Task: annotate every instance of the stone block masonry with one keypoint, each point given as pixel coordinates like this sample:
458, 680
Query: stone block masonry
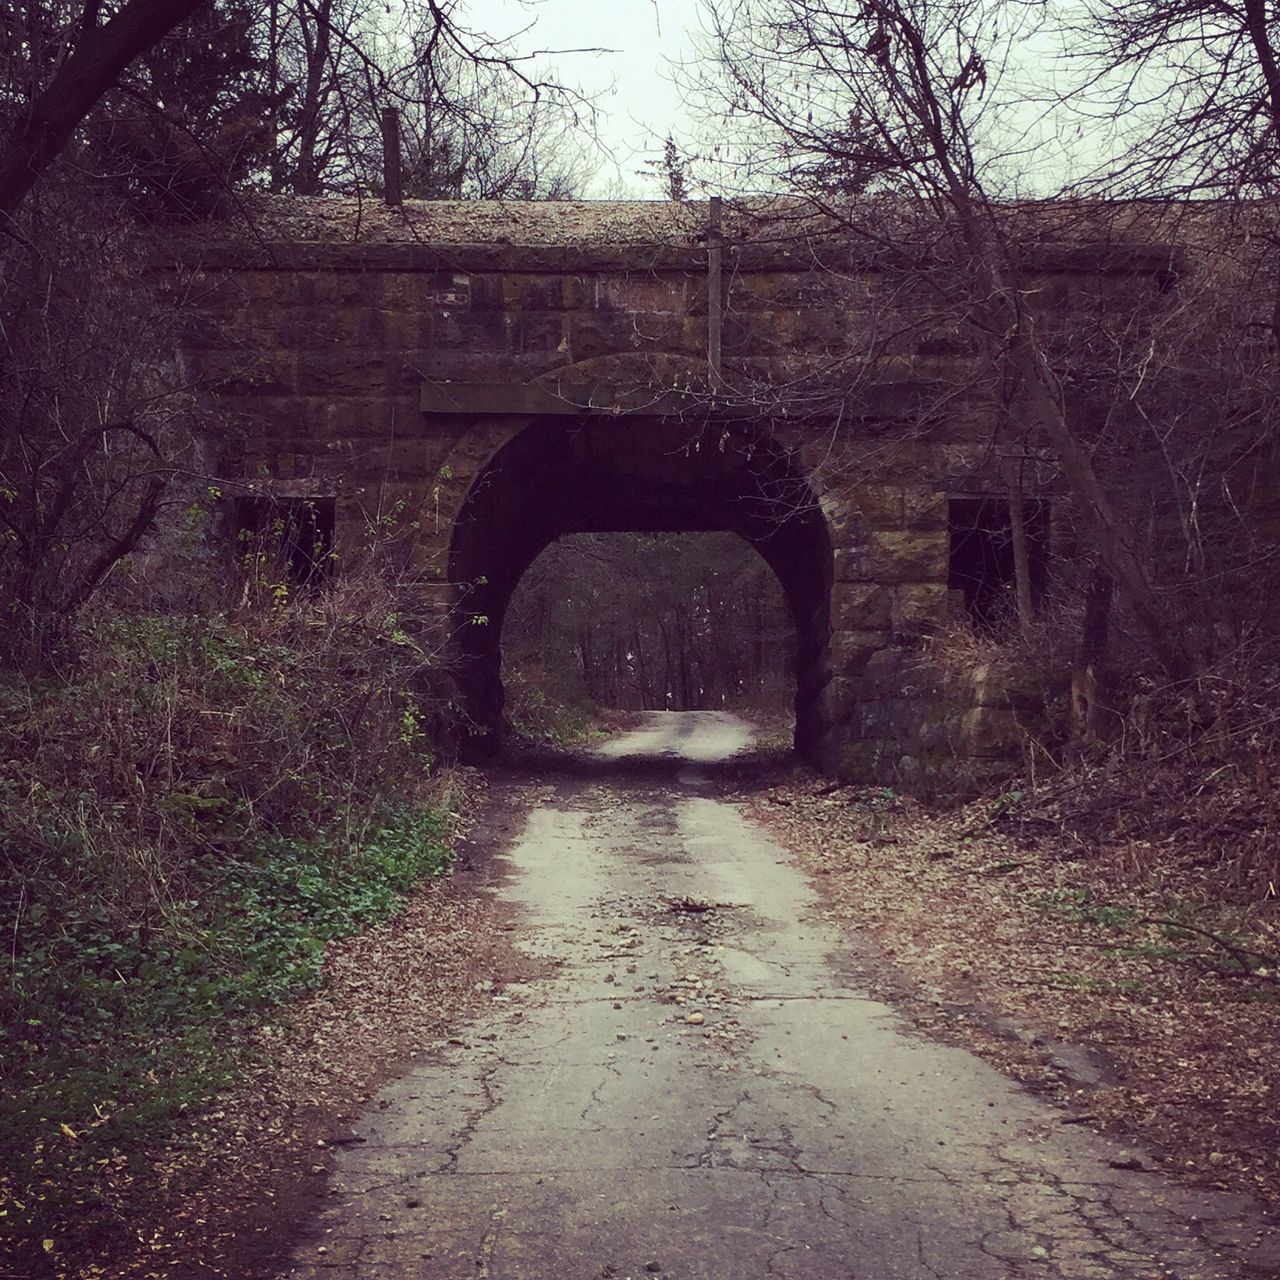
480, 379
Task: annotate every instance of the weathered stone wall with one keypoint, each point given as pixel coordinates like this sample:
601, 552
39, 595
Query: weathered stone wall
392, 375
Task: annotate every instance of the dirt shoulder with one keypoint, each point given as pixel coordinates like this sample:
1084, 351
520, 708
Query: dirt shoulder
235, 1188
1052, 967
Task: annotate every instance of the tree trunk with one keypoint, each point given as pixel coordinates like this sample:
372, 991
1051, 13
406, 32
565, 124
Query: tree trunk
306, 181
95, 66
1021, 556
1103, 522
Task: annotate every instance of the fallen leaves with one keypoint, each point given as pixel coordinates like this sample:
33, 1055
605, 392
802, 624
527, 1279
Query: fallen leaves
1058, 968
224, 1193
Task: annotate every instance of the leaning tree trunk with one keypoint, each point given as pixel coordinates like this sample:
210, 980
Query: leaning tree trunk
95, 65
1003, 316
1044, 405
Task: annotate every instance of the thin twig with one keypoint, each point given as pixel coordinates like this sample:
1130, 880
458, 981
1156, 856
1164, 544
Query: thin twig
1239, 954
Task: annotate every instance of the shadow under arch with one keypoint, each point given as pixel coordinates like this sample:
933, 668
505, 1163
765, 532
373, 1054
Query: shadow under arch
658, 475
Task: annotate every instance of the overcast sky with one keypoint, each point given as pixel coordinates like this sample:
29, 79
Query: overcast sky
630, 80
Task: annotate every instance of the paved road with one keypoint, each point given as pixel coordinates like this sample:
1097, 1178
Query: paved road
703, 1095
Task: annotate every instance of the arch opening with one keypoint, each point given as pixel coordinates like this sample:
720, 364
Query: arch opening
562, 477
647, 622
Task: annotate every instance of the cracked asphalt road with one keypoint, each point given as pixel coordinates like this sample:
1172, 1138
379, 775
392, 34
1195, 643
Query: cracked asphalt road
699, 1092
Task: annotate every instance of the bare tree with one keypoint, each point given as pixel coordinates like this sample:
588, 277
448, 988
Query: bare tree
70, 63
481, 120
1193, 88
881, 114
475, 131
326, 67
95, 413
1196, 83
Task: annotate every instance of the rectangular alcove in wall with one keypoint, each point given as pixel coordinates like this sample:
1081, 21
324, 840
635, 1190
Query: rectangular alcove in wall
981, 558
295, 535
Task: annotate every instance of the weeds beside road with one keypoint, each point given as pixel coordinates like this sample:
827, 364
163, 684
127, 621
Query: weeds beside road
193, 811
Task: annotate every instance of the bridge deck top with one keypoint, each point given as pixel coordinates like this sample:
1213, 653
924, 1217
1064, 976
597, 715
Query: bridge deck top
337, 233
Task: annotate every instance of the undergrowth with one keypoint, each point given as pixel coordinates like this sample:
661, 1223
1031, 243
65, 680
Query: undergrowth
1181, 774
109, 1036
187, 817
545, 709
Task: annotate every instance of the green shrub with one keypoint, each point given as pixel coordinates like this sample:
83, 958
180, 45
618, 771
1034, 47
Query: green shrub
186, 820
108, 1034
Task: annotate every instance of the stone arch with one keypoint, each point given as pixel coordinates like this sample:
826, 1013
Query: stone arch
602, 474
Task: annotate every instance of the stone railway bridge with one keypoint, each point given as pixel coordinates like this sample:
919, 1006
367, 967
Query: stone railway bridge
476, 380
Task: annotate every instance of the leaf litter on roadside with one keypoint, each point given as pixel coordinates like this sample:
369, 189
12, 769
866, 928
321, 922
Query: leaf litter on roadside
1105, 982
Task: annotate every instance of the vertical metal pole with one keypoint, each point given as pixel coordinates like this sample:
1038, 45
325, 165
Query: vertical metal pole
715, 300
391, 155
273, 91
